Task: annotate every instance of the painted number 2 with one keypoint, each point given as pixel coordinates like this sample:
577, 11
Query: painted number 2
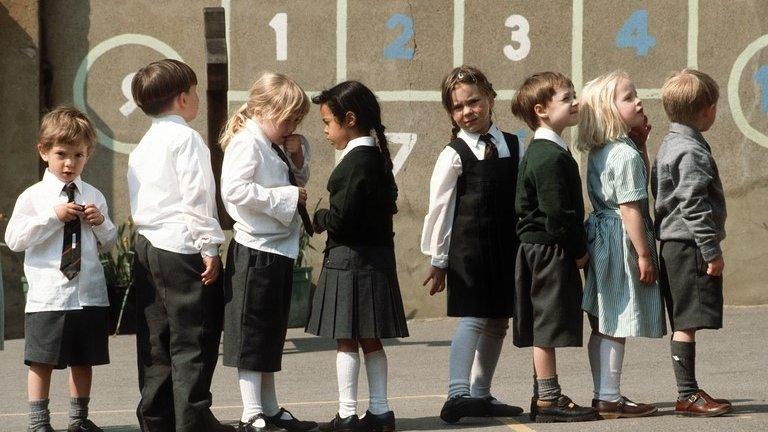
397, 49
279, 23
634, 34
520, 28
761, 76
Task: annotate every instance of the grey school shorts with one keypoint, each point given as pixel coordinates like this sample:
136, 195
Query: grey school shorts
67, 338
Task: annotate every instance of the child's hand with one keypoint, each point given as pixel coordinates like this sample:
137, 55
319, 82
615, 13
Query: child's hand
93, 215
68, 211
582, 262
302, 196
715, 267
437, 276
212, 267
639, 134
292, 145
647, 269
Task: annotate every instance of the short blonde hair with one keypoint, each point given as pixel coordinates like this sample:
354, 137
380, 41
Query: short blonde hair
600, 120
66, 126
537, 89
686, 93
274, 97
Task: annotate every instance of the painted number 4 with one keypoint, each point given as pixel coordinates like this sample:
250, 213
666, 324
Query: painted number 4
634, 34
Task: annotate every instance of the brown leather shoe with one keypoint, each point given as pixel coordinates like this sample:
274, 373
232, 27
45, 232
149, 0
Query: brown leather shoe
623, 408
700, 404
562, 409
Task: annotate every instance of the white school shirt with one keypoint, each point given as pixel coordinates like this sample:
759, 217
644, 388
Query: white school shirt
172, 189
258, 195
438, 223
549, 134
35, 229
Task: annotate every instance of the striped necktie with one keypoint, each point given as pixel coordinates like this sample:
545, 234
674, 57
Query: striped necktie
70, 251
491, 152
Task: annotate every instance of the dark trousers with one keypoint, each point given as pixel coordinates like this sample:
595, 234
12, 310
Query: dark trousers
177, 339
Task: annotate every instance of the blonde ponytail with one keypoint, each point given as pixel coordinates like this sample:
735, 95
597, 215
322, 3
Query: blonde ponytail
233, 125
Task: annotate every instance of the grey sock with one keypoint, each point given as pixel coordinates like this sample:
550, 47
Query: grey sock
535, 387
549, 388
684, 365
39, 414
78, 409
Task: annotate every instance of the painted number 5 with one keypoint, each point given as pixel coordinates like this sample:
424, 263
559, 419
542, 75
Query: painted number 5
520, 28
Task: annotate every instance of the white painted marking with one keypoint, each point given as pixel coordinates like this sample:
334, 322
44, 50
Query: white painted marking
577, 73
406, 141
649, 93
734, 101
458, 33
341, 40
693, 34
129, 106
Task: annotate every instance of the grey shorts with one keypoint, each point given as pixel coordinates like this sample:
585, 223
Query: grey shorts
67, 338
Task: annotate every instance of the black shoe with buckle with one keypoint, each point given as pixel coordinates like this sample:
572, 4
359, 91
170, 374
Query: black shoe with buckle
461, 406
338, 424
83, 425
292, 424
250, 425
378, 422
497, 408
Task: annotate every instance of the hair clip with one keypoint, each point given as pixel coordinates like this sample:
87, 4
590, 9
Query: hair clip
466, 76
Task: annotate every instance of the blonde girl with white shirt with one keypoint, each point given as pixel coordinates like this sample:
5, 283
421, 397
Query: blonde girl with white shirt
357, 300
265, 168
469, 233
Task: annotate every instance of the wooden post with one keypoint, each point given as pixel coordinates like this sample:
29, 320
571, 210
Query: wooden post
216, 95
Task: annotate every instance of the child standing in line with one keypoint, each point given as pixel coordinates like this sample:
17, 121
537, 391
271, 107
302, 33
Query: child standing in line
469, 232
62, 224
621, 296
179, 297
553, 242
690, 222
357, 300
265, 168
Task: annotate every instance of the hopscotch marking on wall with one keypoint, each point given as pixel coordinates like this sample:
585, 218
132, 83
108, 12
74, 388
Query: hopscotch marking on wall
734, 101
130, 105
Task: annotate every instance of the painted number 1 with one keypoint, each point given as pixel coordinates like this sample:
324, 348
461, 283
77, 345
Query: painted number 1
761, 76
280, 24
397, 49
634, 33
520, 28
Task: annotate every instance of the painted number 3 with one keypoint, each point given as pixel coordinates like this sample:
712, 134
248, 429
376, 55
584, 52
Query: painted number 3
522, 43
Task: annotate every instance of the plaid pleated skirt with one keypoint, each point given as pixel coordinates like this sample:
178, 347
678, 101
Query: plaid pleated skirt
358, 296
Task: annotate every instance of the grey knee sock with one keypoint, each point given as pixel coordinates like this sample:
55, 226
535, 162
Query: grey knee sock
684, 365
549, 388
535, 387
39, 414
78, 409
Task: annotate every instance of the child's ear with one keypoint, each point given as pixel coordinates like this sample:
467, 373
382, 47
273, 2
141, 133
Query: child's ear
350, 119
540, 110
42, 152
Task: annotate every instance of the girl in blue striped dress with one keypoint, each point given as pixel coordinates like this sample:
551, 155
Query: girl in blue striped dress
621, 296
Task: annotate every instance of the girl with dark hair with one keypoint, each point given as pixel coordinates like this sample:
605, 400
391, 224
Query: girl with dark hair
357, 300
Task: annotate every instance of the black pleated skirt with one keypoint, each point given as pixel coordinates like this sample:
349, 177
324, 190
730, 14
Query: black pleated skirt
358, 296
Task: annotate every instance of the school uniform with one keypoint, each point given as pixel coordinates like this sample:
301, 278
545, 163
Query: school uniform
257, 193
620, 303
690, 223
357, 294
551, 230
66, 319
172, 195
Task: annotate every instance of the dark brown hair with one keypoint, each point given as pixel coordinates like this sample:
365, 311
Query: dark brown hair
463, 74
686, 93
537, 89
156, 85
66, 126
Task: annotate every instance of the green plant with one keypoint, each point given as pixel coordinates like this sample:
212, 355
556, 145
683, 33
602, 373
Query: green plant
304, 247
118, 267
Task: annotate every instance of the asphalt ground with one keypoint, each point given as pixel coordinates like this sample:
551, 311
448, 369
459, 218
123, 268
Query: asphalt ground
731, 363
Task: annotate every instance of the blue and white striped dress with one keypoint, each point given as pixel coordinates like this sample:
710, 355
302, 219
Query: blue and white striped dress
616, 174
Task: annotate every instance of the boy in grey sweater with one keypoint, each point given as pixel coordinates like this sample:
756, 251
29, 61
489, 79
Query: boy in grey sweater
690, 222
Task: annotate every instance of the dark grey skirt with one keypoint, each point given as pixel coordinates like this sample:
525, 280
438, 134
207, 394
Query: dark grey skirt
257, 292
358, 296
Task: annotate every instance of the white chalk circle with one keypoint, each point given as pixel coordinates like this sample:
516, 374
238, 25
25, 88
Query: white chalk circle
78, 87
734, 101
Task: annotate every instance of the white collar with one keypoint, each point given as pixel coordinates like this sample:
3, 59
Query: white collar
254, 128
50, 180
473, 139
173, 118
549, 134
363, 141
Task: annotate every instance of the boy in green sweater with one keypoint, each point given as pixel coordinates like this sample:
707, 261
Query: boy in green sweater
553, 242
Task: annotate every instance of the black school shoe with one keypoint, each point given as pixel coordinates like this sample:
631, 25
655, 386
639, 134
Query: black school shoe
338, 424
293, 424
378, 422
500, 409
464, 406
250, 426
84, 425
561, 409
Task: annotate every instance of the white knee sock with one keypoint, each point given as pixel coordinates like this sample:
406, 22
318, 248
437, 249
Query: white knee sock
606, 358
376, 370
487, 356
463, 348
250, 392
268, 395
347, 371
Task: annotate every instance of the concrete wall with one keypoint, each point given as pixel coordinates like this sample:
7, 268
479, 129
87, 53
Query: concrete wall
401, 49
